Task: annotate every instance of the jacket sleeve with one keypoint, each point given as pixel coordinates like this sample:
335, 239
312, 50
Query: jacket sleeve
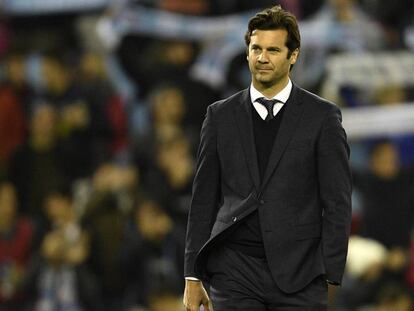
335, 186
205, 195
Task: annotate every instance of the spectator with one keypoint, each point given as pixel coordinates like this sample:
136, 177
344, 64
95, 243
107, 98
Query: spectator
105, 217
16, 79
39, 165
82, 122
386, 192
167, 152
12, 125
15, 245
15, 95
169, 175
152, 254
374, 277
108, 122
59, 278
173, 60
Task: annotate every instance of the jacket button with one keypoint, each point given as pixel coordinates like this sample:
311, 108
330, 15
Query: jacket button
262, 202
234, 219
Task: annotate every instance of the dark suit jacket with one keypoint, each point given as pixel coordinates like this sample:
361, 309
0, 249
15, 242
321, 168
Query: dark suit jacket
304, 199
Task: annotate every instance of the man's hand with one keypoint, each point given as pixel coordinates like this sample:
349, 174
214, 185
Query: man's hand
195, 295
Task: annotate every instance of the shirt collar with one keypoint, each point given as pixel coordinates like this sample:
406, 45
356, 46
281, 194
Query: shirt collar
282, 96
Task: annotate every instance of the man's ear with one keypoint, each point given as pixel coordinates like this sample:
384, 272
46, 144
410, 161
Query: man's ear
294, 56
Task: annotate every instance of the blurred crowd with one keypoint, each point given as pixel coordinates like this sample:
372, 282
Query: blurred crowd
98, 143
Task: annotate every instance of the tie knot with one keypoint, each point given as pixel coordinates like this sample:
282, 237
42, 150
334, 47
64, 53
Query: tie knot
269, 104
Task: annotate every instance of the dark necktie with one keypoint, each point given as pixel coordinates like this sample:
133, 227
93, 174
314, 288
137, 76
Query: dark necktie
269, 104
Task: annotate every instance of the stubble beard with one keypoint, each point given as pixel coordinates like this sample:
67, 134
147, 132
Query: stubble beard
266, 81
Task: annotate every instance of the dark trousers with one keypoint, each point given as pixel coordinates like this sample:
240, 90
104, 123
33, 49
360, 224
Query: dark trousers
244, 283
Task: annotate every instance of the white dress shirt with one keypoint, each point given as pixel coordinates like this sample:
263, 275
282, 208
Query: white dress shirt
282, 97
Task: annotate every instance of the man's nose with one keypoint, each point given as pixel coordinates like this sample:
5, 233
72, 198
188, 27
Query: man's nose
263, 57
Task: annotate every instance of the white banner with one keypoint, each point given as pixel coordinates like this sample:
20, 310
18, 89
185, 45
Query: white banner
367, 122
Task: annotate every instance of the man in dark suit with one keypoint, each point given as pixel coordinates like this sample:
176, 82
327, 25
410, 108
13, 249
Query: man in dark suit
270, 213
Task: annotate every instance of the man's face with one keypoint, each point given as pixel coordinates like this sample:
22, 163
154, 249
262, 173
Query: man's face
268, 61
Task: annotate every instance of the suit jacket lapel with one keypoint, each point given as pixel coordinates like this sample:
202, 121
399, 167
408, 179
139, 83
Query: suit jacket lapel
287, 128
243, 116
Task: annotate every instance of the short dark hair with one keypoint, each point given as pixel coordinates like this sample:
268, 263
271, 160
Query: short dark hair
275, 18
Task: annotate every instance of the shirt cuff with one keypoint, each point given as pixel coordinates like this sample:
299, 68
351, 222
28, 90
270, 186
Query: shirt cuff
333, 283
190, 278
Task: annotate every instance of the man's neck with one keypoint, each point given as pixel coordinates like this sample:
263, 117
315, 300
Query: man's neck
270, 90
